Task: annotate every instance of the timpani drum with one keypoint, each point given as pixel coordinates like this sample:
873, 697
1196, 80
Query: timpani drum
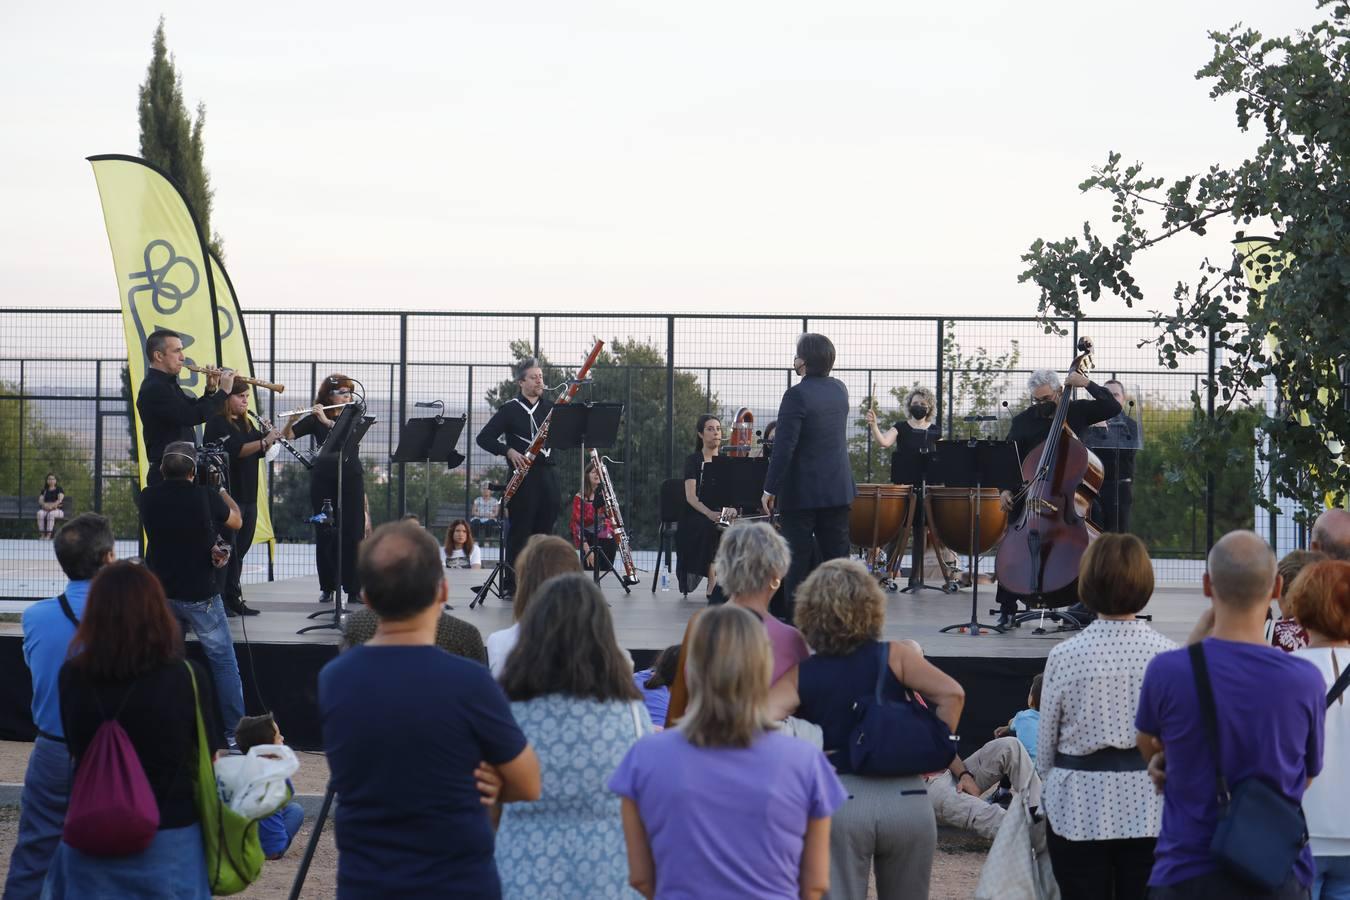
878, 515
951, 513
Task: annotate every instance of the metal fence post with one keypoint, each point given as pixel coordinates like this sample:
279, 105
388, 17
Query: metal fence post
670, 396
941, 340
871, 398
403, 414
468, 444
98, 437
1210, 391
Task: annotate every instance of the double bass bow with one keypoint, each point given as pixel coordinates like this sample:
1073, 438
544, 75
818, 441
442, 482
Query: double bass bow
1041, 549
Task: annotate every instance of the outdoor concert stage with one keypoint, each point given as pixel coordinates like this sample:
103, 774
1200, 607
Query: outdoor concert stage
996, 670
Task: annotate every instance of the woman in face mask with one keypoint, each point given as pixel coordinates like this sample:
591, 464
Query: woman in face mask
914, 435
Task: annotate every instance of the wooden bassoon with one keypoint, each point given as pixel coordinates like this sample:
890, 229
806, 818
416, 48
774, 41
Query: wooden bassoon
518, 477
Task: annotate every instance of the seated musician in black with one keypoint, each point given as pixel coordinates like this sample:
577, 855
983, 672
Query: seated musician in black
1029, 430
911, 439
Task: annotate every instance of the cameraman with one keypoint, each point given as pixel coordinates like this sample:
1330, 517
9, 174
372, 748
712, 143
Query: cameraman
183, 521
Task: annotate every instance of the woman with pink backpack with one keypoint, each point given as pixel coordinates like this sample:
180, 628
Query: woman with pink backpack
130, 717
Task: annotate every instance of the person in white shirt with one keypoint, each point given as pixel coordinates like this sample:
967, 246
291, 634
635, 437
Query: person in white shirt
484, 512
461, 552
1318, 600
1103, 812
543, 556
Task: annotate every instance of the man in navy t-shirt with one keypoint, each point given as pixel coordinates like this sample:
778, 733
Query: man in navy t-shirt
405, 725
1270, 707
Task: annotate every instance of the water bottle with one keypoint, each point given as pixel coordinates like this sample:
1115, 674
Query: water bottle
324, 515
665, 581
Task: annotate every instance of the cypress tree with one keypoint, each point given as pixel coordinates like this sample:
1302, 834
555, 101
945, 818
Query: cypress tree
171, 139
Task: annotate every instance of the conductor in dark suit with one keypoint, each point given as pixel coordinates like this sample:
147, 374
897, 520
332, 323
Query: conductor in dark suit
810, 482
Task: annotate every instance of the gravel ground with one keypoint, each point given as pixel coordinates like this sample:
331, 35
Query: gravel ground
956, 868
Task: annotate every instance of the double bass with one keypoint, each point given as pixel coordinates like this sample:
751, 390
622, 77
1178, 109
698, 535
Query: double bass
1044, 544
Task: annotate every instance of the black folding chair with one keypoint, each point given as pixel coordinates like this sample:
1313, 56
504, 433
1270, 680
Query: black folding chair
672, 506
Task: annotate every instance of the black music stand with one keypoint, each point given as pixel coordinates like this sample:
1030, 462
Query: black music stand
427, 440
576, 426
735, 481
974, 464
342, 445
497, 577
912, 468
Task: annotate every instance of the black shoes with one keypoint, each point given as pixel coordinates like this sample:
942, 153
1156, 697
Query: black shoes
235, 607
1008, 620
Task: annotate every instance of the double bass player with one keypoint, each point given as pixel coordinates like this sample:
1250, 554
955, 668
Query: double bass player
1031, 427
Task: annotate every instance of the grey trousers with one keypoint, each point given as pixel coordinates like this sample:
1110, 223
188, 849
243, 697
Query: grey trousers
1001, 757
887, 823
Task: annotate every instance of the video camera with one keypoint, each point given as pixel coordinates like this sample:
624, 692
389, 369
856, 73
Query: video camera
213, 464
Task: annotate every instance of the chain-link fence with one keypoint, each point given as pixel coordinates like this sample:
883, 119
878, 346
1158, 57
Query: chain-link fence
64, 409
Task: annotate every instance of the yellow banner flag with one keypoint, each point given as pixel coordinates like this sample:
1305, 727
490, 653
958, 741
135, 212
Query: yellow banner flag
236, 354
166, 278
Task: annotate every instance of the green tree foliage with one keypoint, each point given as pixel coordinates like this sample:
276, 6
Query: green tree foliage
30, 448
1169, 488
633, 373
171, 139
1295, 93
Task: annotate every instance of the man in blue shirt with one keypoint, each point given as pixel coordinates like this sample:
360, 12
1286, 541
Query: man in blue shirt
83, 546
406, 725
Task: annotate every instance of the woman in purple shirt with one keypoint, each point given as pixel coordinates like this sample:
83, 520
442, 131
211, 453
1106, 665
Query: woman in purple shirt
723, 806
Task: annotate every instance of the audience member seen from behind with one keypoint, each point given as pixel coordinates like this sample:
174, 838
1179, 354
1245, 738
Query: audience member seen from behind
1102, 809
1331, 534
654, 684
1270, 707
543, 556
49, 509
752, 561
82, 547
127, 663
1320, 600
183, 520
461, 552
405, 727
453, 635
571, 691
1285, 630
887, 823
275, 832
1026, 725
724, 806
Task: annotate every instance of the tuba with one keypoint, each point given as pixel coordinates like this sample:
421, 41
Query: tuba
742, 433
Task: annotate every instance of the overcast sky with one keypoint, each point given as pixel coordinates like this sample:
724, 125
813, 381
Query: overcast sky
845, 156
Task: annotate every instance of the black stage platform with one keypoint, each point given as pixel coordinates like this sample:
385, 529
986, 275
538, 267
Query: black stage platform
280, 669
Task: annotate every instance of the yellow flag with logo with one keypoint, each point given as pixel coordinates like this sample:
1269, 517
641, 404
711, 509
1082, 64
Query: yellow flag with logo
166, 278
236, 354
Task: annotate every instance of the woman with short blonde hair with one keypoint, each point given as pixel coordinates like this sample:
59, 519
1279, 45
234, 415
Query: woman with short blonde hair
726, 776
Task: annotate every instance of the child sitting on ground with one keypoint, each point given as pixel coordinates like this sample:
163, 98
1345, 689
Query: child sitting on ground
1026, 725
275, 832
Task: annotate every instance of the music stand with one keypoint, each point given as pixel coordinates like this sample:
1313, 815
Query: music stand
340, 447
734, 481
498, 574
427, 440
575, 426
911, 467
973, 464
